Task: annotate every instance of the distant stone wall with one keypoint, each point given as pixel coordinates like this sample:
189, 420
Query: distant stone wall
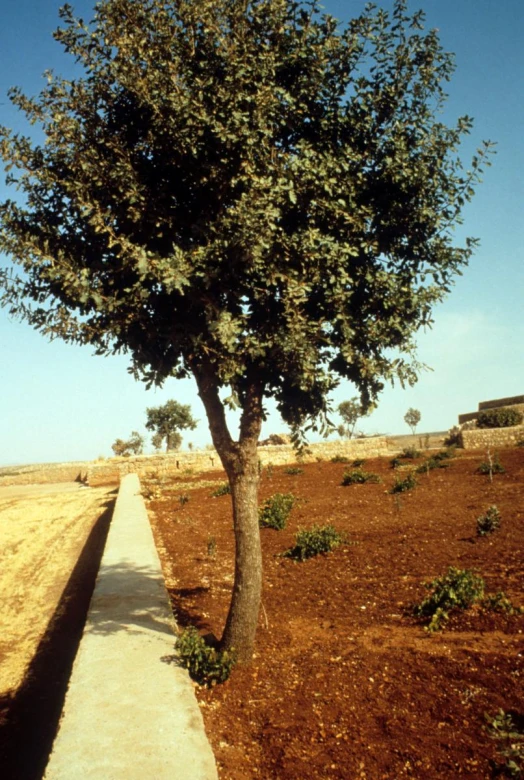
111, 471
45, 474
482, 438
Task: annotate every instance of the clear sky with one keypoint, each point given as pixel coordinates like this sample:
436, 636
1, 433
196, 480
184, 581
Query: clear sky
60, 403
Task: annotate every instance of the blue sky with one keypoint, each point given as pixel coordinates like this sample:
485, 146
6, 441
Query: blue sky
61, 403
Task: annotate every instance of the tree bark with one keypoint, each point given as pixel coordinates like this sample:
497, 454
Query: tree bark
240, 460
242, 620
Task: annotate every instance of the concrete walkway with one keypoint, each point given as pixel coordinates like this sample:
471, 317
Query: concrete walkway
130, 712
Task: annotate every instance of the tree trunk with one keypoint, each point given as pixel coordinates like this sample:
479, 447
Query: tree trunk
242, 619
240, 460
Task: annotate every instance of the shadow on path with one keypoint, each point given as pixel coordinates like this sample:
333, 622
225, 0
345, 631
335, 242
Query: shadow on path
29, 720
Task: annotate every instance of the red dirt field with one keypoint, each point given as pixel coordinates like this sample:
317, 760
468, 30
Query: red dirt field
345, 682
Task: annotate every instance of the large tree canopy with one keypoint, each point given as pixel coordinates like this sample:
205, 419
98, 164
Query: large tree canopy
245, 191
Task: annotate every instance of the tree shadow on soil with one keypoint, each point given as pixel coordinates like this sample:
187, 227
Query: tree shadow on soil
29, 719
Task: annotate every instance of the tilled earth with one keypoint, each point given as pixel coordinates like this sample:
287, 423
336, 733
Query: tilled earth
345, 682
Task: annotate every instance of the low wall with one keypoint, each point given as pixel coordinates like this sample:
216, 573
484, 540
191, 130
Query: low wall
45, 474
111, 471
482, 438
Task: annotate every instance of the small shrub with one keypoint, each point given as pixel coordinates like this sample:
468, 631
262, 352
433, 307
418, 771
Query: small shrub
151, 491
358, 463
446, 454
294, 470
520, 443
402, 485
429, 465
437, 461
453, 439
359, 477
206, 665
211, 546
223, 489
458, 589
395, 463
504, 417
183, 499
410, 453
491, 466
502, 728
488, 523
314, 541
499, 602
424, 443
339, 459
275, 511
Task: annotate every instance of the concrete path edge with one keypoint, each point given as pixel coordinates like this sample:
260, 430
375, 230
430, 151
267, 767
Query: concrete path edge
130, 711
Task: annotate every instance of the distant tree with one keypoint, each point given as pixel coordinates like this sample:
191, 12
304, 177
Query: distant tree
248, 192
132, 446
157, 440
412, 418
167, 421
350, 411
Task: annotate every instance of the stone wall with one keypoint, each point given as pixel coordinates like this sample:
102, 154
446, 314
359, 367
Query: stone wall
482, 438
44, 474
111, 471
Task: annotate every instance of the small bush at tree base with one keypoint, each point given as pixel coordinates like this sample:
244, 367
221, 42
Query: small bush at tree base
359, 477
314, 541
488, 523
503, 417
402, 485
206, 665
275, 511
339, 459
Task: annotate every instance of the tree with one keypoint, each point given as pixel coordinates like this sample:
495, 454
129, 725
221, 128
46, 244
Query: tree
133, 446
412, 418
246, 192
350, 411
167, 421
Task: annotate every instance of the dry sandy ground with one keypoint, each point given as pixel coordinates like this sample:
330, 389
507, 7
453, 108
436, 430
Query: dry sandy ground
43, 529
